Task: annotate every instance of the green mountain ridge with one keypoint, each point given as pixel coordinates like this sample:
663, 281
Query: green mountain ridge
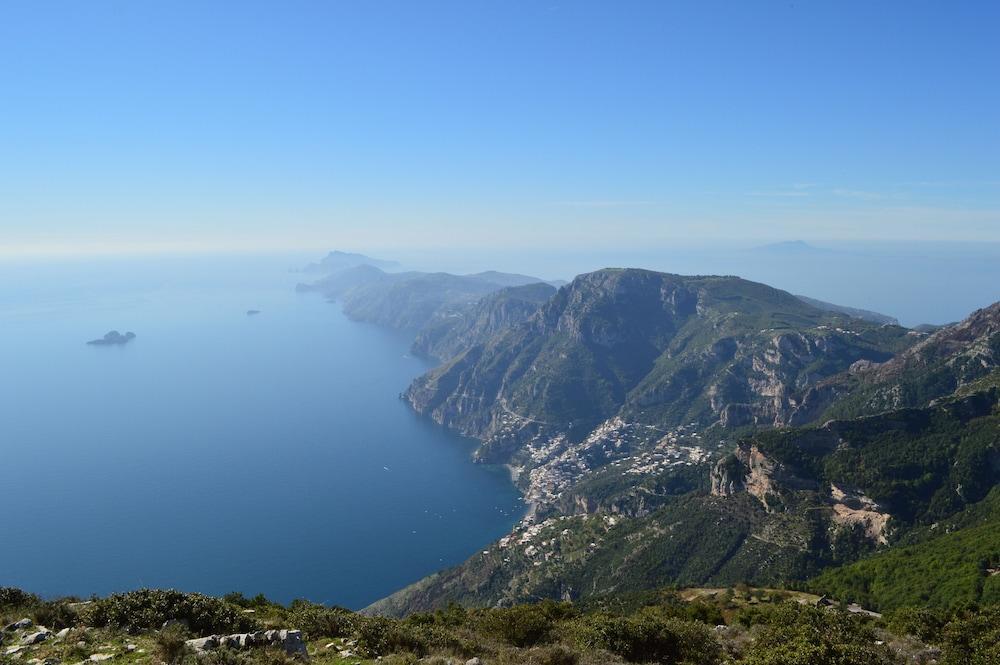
700, 430
409, 300
617, 405
452, 331
654, 348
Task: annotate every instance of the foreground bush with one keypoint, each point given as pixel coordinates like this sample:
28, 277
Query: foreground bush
793, 634
170, 644
973, 638
11, 598
147, 609
378, 636
918, 622
524, 625
55, 614
649, 636
317, 621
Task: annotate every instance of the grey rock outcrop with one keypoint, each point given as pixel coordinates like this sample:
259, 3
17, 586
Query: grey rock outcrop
36, 637
203, 644
18, 625
289, 640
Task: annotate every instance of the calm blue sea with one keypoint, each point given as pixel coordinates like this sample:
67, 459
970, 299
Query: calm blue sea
220, 452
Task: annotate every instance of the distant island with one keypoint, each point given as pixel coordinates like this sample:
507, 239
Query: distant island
113, 337
336, 261
253, 312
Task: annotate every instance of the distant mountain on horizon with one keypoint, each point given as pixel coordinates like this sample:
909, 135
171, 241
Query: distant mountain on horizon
337, 260
410, 300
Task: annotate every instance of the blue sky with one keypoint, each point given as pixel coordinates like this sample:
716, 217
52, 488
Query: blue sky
285, 125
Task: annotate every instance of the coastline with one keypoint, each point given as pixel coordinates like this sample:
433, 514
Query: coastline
531, 507
514, 473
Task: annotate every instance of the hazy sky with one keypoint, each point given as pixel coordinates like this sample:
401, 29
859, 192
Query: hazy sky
366, 124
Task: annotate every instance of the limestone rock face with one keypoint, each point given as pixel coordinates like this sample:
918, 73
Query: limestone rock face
852, 508
749, 470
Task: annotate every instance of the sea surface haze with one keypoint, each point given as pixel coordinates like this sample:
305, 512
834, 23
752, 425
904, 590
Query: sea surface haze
219, 451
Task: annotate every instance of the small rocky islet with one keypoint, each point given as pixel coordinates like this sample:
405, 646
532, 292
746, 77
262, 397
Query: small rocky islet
113, 338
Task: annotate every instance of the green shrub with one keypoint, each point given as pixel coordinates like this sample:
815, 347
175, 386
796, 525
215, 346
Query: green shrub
225, 656
400, 659
648, 636
12, 598
973, 638
556, 654
695, 611
257, 602
170, 644
521, 626
55, 614
793, 634
379, 636
919, 622
524, 625
317, 621
151, 608
439, 638
452, 616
